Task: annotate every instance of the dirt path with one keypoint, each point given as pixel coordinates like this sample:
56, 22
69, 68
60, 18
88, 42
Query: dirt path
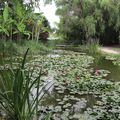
110, 50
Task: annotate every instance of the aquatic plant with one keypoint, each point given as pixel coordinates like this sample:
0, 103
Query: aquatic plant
114, 58
16, 98
76, 84
106, 109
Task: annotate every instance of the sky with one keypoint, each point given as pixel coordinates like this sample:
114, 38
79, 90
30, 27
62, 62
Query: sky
49, 12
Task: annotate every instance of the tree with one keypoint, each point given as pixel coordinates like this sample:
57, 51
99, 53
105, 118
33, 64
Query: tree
18, 20
83, 20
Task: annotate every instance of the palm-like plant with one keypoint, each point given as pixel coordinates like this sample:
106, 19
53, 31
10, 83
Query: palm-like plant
38, 25
5, 22
20, 18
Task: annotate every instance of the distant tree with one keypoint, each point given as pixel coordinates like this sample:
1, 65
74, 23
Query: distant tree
83, 20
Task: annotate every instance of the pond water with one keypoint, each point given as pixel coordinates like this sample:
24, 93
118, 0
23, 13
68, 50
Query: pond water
105, 64
69, 102
80, 102
100, 63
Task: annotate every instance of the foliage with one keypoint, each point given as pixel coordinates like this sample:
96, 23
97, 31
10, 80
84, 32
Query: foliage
11, 48
114, 58
18, 21
92, 48
40, 27
37, 47
107, 108
81, 20
74, 77
5, 22
79, 90
16, 88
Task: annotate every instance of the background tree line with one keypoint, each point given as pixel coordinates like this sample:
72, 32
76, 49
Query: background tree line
82, 21
18, 21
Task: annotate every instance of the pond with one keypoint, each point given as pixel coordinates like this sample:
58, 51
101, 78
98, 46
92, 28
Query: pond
105, 64
74, 104
77, 84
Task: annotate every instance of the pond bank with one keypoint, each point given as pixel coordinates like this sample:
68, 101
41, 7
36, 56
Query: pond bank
110, 50
77, 93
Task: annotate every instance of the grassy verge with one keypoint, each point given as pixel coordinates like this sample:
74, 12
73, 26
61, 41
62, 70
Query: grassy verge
8, 48
116, 48
90, 48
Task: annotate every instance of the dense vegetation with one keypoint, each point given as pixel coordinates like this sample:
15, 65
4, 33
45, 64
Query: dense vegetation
83, 21
19, 22
59, 84
79, 91
21, 27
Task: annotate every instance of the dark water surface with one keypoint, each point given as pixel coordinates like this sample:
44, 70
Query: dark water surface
102, 63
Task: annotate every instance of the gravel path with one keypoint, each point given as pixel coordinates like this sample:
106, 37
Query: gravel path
110, 50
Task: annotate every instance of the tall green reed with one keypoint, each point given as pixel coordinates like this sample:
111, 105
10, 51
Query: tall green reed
16, 98
92, 48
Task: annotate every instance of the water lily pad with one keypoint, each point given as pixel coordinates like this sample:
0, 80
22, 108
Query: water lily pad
61, 103
60, 92
72, 93
58, 100
58, 109
57, 88
66, 105
65, 99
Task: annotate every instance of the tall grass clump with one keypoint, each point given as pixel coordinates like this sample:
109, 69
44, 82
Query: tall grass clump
37, 47
92, 48
16, 99
8, 48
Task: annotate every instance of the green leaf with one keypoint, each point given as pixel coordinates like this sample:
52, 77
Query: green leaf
19, 9
48, 116
21, 27
5, 13
27, 33
15, 32
6, 31
2, 29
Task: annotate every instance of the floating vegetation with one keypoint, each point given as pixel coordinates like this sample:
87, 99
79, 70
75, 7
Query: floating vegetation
79, 92
114, 58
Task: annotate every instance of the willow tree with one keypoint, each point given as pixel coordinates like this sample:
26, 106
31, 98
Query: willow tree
83, 20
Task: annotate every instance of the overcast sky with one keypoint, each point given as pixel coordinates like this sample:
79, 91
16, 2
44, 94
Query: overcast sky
49, 12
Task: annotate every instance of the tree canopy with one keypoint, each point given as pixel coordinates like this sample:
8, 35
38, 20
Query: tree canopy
83, 20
